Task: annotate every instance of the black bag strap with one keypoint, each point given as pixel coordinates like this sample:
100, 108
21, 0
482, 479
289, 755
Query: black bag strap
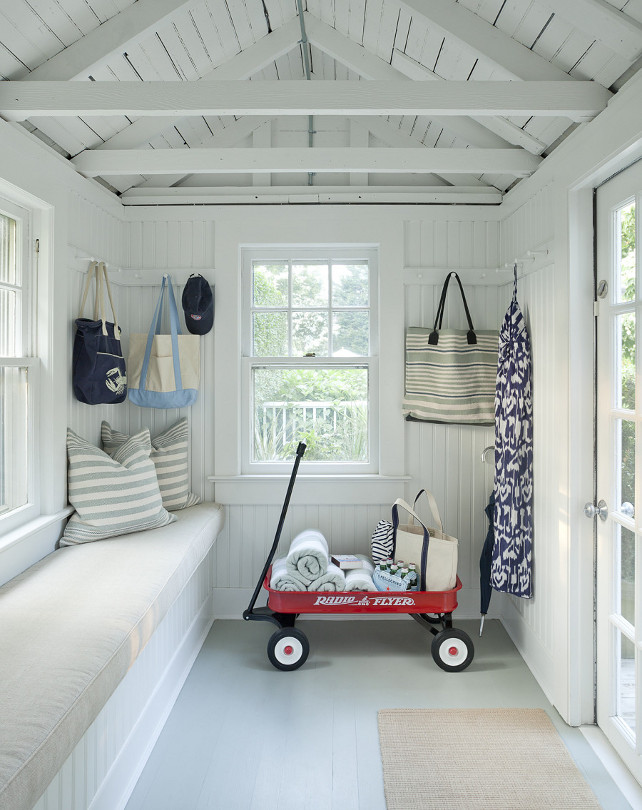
433, 338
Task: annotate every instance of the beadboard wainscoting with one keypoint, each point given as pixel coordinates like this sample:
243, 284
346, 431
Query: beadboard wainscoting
103, 769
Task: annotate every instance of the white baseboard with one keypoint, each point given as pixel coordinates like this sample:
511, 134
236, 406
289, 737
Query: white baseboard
609, 757
229, 603
117, 787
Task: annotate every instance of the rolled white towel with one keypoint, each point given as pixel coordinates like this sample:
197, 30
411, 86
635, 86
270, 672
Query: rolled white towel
359, 579
308, 555
283, 580
333, 579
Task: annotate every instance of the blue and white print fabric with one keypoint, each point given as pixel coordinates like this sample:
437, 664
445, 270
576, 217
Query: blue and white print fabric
513, 517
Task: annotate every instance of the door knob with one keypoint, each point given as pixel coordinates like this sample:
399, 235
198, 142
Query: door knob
601, 510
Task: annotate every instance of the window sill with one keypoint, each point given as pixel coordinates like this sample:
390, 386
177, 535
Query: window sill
315, 489
31, 527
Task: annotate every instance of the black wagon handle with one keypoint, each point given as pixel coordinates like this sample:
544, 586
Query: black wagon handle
433, 338
299, 455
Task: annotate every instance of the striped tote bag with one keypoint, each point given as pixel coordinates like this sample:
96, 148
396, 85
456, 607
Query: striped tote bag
450, 374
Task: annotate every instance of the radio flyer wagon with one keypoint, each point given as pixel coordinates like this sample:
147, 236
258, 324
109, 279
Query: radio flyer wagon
288, 647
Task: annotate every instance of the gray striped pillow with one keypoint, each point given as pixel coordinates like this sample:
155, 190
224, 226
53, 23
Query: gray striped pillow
112, 496
170, 456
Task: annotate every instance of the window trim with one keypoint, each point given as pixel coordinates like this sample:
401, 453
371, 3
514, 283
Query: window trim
26, 271
318, 253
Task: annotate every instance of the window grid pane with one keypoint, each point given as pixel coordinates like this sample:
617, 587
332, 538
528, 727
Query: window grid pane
13, 433
625, 224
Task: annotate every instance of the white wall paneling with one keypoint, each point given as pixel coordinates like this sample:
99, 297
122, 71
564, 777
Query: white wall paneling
105, 764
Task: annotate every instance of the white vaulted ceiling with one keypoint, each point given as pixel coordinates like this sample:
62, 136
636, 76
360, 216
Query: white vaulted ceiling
419, 100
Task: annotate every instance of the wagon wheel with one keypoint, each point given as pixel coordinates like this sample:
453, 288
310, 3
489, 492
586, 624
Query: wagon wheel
452, 650
288, 648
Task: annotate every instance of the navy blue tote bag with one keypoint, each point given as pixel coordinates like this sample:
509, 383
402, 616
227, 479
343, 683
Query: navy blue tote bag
98, 367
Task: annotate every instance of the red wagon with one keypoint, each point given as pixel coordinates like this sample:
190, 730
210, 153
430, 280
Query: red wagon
288, 647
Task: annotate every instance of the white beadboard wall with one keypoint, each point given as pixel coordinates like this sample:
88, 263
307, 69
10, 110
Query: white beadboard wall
446, 459
532, 623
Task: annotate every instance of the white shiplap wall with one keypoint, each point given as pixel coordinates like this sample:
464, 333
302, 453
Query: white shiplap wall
446, 459
532, 623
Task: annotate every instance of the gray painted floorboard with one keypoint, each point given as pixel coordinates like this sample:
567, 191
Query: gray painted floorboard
244, 736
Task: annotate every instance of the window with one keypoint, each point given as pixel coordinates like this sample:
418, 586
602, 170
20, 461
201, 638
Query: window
18, 370
310, 367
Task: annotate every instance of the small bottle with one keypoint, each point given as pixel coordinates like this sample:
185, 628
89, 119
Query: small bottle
401, 564
403, 573
394, 569
412, 577
383, 565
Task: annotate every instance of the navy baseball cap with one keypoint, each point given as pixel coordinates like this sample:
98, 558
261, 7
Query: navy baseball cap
198, 305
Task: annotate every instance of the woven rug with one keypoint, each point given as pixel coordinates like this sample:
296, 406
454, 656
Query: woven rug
474, 759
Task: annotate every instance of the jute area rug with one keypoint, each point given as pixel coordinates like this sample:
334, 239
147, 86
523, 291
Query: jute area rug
469, 759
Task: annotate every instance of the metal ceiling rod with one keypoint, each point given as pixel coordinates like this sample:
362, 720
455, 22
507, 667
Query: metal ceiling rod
308, 75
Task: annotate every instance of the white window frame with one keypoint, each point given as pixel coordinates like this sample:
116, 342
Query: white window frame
24, 458
311, 253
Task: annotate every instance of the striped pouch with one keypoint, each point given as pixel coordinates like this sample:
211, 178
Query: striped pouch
451, 373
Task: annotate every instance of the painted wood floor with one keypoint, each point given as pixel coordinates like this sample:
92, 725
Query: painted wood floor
244, 736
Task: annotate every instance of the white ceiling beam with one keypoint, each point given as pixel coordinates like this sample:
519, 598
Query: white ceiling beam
372, 67
578, 100
241, 66
222, 138
114, 36
484, 40
304, 194
515, 162
392, 136
604, 22
500, 126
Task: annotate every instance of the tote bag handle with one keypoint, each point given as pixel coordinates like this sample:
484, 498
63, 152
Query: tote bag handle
154, 329
433, 508
433, 338
98, 271
395, 514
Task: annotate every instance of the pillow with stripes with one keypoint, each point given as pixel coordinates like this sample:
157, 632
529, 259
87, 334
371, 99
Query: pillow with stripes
112, 495
170, 457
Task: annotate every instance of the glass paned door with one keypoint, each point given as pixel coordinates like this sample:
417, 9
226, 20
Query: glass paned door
619, 450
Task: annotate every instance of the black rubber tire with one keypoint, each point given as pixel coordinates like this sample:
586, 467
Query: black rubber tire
452, 650
288, 649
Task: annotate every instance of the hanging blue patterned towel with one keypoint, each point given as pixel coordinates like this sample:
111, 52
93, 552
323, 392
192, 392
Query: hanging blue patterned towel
513, 517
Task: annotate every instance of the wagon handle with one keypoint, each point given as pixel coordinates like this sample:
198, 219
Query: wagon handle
299, 455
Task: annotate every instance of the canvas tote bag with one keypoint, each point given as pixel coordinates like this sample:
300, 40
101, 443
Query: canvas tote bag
164, 370
433, 552
98, 366
450, 374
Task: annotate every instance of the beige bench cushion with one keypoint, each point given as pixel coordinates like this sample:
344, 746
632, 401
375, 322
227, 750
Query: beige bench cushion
70, 628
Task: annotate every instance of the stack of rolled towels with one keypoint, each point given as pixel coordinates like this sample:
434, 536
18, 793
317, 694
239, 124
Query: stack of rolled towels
307, 567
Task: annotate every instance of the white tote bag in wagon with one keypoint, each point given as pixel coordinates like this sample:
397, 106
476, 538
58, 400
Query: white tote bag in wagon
434, 552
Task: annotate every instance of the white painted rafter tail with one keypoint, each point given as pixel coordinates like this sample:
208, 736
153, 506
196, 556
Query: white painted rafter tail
576, 100
241, 66
506, 130
217, 195
114, 36
604, 22
484, 40
372, 67
515, 162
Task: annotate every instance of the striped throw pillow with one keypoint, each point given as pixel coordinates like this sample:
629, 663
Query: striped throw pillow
112, 496
170, 457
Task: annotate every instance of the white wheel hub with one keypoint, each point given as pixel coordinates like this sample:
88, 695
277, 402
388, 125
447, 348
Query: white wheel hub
453, 651
288, 650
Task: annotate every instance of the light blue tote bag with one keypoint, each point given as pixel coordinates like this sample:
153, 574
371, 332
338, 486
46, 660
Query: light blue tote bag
164, 370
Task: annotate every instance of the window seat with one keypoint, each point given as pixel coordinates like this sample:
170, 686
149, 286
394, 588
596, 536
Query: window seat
71, 626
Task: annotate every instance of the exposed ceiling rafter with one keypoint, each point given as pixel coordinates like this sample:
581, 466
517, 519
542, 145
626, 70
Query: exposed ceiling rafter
579, 101
517, 162
603, 22
484, 40
113, 37
241, 66
370, 66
